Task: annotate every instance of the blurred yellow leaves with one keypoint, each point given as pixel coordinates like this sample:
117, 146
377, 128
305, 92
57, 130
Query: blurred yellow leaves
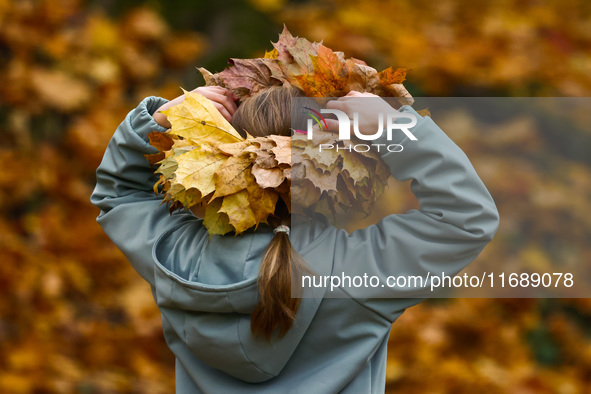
69, 75
183, 46
267, 5
495, 345
101, 34
59, 90
509, 45
70, 302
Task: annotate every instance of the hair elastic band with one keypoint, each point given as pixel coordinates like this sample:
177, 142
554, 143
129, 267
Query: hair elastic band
281, 229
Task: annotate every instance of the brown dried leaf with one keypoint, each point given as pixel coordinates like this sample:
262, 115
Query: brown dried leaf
232, 176
252, 74
282, 150
325, 181
268, 177
391, 76
262, 201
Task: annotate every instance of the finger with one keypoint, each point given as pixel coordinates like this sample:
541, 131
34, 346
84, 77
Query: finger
355, 93
334, 104
205, 91
208, 90
223, 99
332, 125
219, 89
225, 91
211, 93
199, 90
223, 111
161, 119
232, 107
230, 94
173, 102
348, 97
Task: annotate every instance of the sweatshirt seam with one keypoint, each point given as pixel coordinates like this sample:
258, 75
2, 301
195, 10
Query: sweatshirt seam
356, 300
378, 313
315, 243
235, 286
244, 352
193, 285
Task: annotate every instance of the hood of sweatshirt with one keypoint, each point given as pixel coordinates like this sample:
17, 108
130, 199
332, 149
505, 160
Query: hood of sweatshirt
207, 288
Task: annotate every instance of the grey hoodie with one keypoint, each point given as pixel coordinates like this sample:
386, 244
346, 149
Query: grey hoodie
206, 288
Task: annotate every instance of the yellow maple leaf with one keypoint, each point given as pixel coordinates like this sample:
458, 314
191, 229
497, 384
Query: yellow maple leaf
272, 54
216, 222
198, 119
196, 168
237, 207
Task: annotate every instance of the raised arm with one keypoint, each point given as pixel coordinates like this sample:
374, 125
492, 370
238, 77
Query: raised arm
131, 213
457, 218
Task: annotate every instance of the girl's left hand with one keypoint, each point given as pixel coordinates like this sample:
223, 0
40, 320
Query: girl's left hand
222, 99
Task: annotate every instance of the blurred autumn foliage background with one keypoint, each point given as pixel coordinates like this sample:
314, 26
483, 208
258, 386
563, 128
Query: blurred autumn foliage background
75, 317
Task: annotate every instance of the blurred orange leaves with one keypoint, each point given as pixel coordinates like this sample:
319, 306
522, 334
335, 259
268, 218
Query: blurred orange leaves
69, 76
74, 316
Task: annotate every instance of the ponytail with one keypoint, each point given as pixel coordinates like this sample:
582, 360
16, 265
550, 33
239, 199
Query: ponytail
269, 113
278, 276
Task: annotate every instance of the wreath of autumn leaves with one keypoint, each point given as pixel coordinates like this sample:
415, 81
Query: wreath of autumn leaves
204, 161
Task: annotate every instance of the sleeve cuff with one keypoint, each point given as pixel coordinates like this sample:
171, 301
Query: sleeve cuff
141, 120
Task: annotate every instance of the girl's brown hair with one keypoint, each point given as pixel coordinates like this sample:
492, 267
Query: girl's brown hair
263, 114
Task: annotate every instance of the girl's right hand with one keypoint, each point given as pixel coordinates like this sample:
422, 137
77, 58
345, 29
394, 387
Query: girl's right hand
222, 99
369, 110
